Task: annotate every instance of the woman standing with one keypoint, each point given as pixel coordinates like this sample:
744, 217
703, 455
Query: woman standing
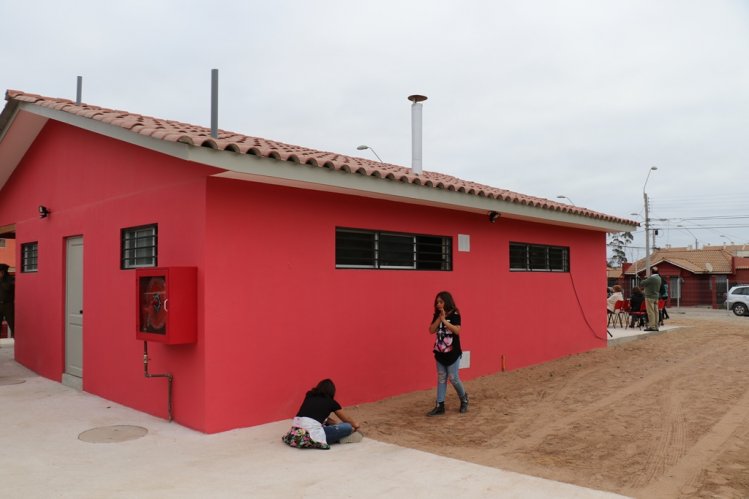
446, 325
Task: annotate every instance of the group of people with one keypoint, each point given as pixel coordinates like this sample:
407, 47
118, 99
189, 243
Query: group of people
314, 427
650, 290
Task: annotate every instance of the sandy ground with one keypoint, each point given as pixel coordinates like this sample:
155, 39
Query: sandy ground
665, 416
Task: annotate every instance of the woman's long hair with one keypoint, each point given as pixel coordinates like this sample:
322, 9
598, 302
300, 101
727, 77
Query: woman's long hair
325, 388
449, 302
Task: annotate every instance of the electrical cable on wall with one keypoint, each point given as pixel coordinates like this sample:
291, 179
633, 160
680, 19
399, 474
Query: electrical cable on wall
582, 311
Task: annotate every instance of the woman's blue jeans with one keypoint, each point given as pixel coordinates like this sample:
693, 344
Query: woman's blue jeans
449, 373
335, 432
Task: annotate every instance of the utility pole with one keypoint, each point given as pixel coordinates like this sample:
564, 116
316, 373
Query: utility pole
647, 222
647, 234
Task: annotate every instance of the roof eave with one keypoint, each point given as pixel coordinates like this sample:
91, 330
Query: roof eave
272, 171
18, 130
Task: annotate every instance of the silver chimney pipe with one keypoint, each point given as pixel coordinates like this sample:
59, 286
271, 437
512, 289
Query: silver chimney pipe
214, 103
416, 132
79, 90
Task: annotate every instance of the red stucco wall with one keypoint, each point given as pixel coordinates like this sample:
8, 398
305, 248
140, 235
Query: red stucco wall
274, 315
94, 187
281, 317
741, 276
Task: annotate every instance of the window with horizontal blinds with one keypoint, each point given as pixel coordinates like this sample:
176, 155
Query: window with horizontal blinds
139, 247
361, 248
526, 257
29, 257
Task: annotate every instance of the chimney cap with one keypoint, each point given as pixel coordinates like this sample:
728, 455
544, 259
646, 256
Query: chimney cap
417, 98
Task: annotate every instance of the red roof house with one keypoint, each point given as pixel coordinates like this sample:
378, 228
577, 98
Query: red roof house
285, 265
695, 276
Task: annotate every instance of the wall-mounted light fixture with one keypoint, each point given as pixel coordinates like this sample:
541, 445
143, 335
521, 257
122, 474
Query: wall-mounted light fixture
43, 211
493, 216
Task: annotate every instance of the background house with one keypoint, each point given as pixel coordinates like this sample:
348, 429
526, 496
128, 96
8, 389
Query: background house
696, 277
613, 276
8, 253
8, 257
309, 264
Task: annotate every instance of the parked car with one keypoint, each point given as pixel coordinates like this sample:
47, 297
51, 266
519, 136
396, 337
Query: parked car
737, 299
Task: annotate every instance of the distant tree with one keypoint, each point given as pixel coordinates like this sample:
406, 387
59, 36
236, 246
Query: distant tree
618, 242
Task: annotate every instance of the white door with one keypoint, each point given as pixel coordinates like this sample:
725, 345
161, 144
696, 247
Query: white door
74, 312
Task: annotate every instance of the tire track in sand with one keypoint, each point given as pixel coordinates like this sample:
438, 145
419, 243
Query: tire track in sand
707, 449
671, 444
541, 426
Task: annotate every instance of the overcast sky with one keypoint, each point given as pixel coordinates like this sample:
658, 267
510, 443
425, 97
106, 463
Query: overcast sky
546, 98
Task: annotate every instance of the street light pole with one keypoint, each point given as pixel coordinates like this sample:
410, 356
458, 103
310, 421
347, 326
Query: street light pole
647, 222
696, 246
364, 147
561, 196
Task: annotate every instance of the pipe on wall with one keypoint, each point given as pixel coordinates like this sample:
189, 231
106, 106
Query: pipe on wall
168, 376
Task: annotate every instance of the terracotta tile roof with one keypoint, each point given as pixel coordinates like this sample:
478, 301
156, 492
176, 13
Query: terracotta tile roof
712, 260
734, 249
175, 131
613, 273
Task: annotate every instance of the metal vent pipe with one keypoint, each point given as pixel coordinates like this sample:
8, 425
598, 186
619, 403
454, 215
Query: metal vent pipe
78, 90
416, 132
214, 103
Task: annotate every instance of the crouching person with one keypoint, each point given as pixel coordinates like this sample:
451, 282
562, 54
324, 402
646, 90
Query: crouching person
313, 427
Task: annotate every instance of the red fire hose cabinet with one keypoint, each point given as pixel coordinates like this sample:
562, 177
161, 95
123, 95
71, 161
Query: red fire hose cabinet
166, 305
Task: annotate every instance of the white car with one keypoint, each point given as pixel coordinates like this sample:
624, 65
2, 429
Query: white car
737, 300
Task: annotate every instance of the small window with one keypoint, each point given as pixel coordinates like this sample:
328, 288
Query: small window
139, 245
357, 248
539, 258
2, 243
518, 256
29, 256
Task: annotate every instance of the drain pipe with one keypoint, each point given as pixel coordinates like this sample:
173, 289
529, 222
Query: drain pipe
168, 376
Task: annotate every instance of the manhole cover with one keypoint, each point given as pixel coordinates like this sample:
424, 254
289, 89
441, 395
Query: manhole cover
112, 434
11, 381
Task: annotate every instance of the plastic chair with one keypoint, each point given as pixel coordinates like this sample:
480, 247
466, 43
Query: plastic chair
640, 315
616, 315
625, 312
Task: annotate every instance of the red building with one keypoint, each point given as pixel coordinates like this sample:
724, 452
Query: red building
308, 264
696, 277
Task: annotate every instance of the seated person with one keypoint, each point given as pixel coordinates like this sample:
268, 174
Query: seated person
314, 428
635, 304
615, 297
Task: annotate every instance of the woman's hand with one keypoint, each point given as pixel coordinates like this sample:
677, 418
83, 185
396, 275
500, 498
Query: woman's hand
345, 417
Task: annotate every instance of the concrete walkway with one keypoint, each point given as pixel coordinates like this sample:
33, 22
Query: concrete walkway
42, 457
622, 335
718, 316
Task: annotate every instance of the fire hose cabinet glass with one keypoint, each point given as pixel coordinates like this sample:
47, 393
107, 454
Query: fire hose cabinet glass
166, 302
